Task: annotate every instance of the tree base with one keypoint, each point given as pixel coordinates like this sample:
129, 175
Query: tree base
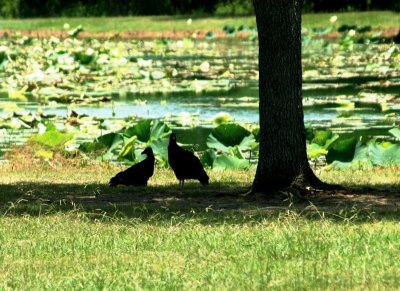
303, 185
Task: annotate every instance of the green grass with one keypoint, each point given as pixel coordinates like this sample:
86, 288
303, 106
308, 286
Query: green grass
73, 251
163, 237
379, 19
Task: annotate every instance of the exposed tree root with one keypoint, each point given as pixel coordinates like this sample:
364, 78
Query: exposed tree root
303, 185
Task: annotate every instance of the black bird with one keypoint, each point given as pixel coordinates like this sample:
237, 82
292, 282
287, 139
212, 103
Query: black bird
138, 174
185, 164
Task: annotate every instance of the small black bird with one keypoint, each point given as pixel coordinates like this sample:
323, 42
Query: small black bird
138, 174
185, 164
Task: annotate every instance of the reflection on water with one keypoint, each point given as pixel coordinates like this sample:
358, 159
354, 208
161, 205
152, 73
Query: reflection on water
243, 109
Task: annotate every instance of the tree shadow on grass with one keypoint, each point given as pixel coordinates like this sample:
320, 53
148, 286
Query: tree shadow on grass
216, 203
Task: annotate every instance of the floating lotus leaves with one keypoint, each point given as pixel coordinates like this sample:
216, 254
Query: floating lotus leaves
157, 75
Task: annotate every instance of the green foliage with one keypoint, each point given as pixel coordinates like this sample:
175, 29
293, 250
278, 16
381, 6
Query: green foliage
54, 8
128, 150
395, 132
342, 150
384, 154
141, 130
84, 59
321, 137
128, 143
9, 8
224, 162
222, 117
208, 157
372, 153
314, 151
51, 138
226, 135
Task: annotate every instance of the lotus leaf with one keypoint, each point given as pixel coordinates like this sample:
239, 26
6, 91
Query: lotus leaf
395, 132
314, 151
224, 162
342, 149
384, 154
207, 158
141, 130
127, 152
52, 139
227, 135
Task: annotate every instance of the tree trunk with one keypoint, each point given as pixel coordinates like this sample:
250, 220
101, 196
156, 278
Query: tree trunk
283, 157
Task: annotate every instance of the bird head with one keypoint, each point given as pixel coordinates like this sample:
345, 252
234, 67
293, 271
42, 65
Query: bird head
148, 151
204, 180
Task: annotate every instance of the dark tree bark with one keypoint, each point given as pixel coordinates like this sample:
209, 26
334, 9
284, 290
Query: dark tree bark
283, 157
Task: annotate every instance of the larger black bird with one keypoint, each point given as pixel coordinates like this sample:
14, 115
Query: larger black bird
185, 164
138, 174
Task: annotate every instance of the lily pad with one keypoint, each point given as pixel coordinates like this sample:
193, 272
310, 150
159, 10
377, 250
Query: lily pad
226, 135
225, 162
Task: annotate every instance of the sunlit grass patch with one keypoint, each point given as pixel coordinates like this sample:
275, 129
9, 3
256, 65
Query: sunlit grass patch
70, 250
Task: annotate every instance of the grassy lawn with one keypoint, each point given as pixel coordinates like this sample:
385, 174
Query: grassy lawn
381, 19
62, 227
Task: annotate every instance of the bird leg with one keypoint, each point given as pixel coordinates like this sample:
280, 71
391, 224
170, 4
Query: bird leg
181, 183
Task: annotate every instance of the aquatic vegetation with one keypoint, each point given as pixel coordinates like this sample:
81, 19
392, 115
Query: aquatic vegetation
109, 99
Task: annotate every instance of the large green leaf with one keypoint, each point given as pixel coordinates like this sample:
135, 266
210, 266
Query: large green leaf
248, 143
141, 130
208, 158
108, 142
314, 151
159, 130
226, 135
372, 153
342, 150
361, 159
111, 140
395, 132
52, 139
148, 130
127, 152
160, 149
224, 162
321, 137
386, 154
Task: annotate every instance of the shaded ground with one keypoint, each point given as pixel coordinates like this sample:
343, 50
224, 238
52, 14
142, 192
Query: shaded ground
29, 187
218, 197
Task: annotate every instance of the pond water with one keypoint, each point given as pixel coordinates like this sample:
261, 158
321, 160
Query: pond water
189, 81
